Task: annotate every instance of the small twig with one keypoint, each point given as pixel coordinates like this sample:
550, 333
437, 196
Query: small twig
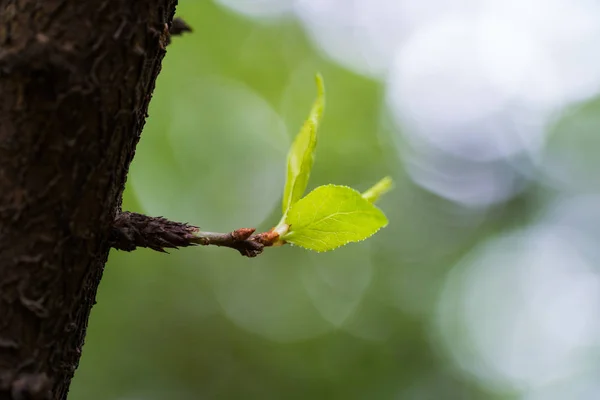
241, 240
132, 230
179, 27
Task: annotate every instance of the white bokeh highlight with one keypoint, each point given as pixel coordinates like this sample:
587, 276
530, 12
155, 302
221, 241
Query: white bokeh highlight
567, 31
449, 91
364, 35
520, 311
583, 387
473, 184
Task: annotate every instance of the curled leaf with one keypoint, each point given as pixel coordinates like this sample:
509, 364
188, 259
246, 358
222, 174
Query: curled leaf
301, 155
377, 190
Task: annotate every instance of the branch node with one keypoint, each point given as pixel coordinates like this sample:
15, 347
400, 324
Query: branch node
179, 27
242, 233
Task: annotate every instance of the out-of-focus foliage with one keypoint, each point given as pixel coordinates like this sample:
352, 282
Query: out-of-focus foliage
484, 285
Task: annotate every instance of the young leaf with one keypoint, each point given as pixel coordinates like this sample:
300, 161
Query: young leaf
378, 189
301, 155
331, 216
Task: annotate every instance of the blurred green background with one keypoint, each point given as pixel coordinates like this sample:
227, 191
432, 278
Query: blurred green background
388, 318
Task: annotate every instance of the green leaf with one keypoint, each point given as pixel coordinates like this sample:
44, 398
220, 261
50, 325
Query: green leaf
331, 216
378, 189
301, 155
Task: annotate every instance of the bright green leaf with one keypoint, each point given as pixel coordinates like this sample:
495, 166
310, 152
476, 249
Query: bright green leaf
301, 154
331, 216
378, 189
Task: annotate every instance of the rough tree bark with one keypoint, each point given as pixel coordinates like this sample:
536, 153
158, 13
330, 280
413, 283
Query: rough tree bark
76, 78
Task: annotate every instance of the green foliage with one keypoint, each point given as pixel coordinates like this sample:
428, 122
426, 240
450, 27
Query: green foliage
377, 190
301, 155
331, 216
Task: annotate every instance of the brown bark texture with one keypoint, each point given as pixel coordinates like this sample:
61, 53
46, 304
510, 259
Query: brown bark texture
76, 78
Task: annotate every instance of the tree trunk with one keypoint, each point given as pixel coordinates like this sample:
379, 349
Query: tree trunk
76, 78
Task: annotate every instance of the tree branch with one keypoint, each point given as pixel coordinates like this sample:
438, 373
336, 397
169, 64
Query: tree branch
76, 79
133, 230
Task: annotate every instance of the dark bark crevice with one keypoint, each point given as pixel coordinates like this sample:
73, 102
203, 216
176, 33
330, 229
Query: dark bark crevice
76, 78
